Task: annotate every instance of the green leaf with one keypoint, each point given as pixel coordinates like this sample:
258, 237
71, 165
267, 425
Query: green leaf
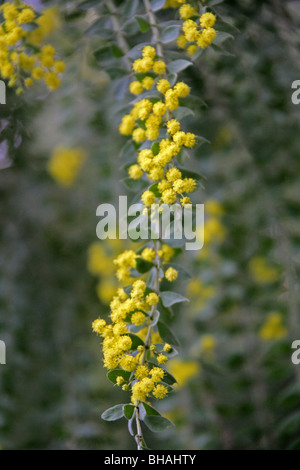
130, 7
182, 112
130, 427
114, 413
149, 410
211, 3
220, 50
178, 65
166, 334
130, 27
183, 156
201, 140
136, 341
155, 148
135, 185
154, 189
113, 374
157, 423
290, 424
128, 411
191, 174
169, 379
157, 4
169, 298
102, 53
176, 243
194, 102
221, 37
143, 24
99, 27
87, 4
170, 34
128, 152
165, 312
143, 266
151, 279
136, 51
117, 52
160, 349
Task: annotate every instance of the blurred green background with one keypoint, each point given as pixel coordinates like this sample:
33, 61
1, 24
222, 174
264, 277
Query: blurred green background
238, 388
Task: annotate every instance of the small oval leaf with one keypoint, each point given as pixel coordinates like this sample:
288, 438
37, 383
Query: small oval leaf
157, 423
169, 298
166, 334
113, 374
178, 65
128, 411
113, 414
170, 34
149, 410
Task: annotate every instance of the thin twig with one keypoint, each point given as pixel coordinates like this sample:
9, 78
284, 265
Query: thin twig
147, 346
122, 43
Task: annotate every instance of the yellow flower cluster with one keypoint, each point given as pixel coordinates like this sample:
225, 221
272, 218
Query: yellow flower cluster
207, 347
214, 230
262, 271
132, 309
148, 119
100, 264
24, 60
273, 328
65, 164
197, 32
48, 22
148, 63
158, 137
171, 274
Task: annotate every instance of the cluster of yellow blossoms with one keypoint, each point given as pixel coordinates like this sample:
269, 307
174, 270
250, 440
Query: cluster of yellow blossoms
133, 308
100, 264
151, 119
24, 60
273, 328
128, 260
197, 32
262, 271
65, 163
133, 350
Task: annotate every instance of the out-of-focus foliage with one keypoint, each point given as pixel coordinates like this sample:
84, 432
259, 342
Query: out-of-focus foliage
237, 386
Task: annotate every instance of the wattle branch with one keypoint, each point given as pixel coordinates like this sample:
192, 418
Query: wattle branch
137, 343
